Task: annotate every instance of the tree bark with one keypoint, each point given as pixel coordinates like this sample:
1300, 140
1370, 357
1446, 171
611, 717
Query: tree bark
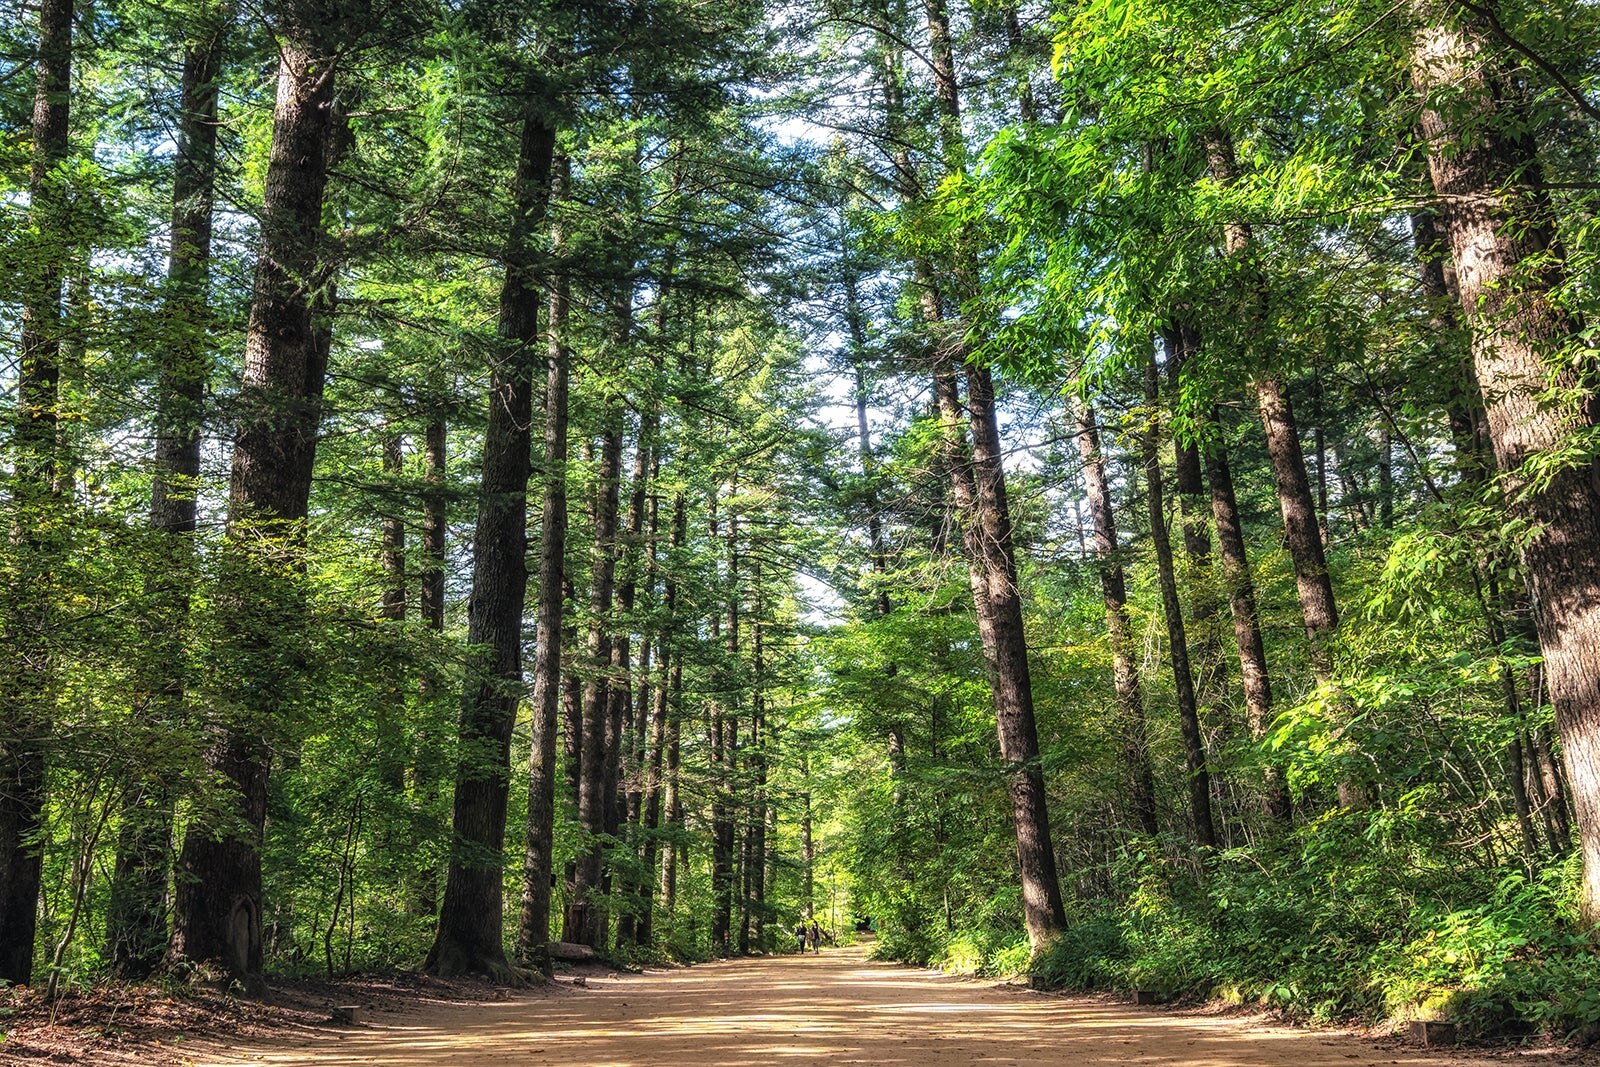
585, 918
1473, 460
631, 738
471, 928
572, 692
855, 320
619, 687
671, 803
218, 915
1302, 537
978, 483
1194, 745
1182, 341
430, 603
1302, 532
1317, 607
651, 719
725, 745
422, 896
1241, 592
1113, 590
538, 868
1536, 400
753, 855
136, 918
650, 818
25, 698
1009, 678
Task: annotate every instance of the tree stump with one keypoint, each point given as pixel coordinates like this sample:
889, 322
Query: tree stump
1433, 1034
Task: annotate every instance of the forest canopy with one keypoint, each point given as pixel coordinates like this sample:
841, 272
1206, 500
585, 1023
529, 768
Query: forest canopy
1107, 491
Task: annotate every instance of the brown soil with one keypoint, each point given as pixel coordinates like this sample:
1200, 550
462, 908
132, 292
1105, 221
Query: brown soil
126, 1024
836, 1009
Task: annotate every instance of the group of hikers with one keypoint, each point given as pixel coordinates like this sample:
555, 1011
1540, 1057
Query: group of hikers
812, 935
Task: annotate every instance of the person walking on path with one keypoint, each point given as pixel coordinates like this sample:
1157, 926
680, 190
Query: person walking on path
800, 935
816, 938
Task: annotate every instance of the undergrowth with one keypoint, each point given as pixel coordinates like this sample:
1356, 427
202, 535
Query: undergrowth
1335, 926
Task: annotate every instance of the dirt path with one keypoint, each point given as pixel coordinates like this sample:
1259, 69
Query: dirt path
836, 1008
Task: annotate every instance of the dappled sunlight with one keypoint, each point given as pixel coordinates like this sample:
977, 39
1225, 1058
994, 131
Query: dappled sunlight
834, 1009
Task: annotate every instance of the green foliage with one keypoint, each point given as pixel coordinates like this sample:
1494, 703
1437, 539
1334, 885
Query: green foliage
750, 288
1317, 941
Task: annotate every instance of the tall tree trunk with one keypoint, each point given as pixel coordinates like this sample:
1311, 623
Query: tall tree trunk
755, 822
650, 818
218, 915
1009, 678
1473, 460
725, 724
470, 937
1507, 263
392, 536
1241, 592
651, 717
855, 320
1182, 342
619, 688
422, 896
586, 916
538, 868
136, 918
25, 698
1027, 107
992, 559
572, 690
391, 726
1546, 768
632, 738
1113, 589
1194, 745
671, 802
808, 846
1301, 535
856, 323
435, 522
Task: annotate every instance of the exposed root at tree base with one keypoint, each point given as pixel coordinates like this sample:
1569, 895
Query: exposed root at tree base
450, 959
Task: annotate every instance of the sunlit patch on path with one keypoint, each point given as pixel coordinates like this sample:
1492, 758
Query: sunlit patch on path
835, 1009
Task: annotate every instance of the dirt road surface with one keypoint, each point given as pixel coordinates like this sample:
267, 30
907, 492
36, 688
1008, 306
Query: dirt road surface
837, 1008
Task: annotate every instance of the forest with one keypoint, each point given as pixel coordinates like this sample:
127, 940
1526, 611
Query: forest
1105, 492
